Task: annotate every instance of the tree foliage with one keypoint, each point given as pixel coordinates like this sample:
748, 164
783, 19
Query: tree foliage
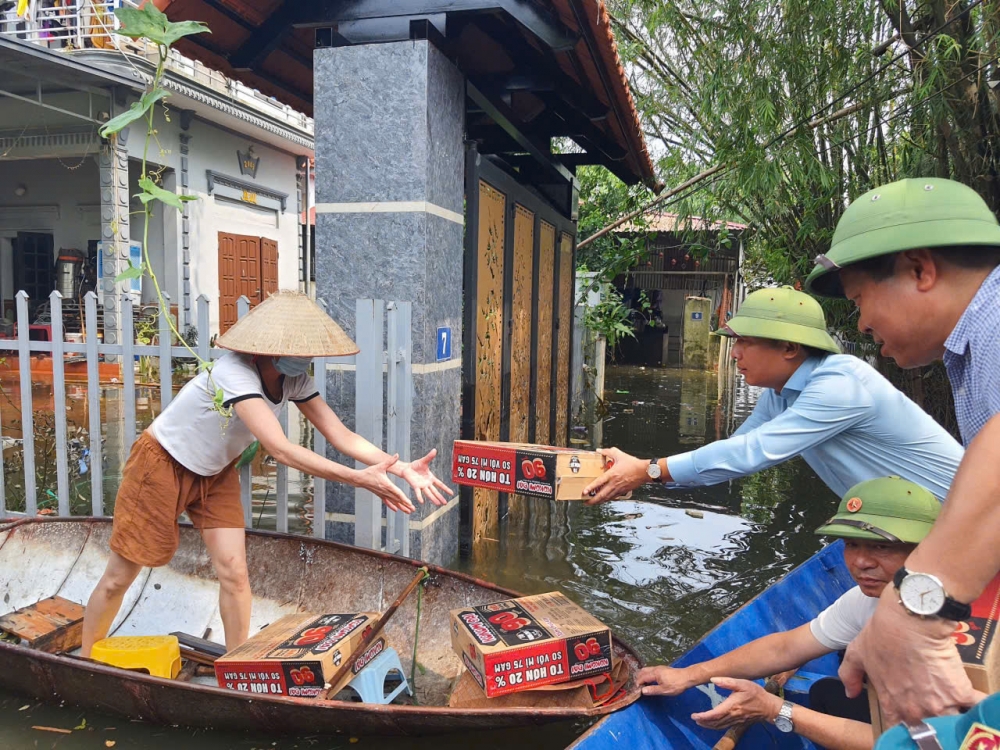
807, 104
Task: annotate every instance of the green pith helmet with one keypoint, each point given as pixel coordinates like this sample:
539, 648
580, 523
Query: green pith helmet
887, 509
904, 215
783, 314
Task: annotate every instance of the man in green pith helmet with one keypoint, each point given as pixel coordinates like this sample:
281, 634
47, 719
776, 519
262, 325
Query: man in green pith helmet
881, 521
836, 411
920, 258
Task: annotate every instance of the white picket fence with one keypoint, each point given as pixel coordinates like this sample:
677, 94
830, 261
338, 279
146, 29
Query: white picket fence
376, 362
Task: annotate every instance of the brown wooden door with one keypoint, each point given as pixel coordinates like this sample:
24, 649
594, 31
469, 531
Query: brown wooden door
247, 266
268, 267
229, 289
248, 259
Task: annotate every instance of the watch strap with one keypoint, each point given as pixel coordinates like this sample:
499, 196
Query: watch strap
952, 609
785, 712
924, 735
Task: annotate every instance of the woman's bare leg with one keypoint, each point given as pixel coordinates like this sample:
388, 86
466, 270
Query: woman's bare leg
227, 548
106, 600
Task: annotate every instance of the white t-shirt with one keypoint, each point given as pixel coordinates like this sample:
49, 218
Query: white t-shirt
841, 622
197, 436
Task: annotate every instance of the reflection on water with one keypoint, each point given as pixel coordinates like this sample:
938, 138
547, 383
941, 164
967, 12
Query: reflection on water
659, 576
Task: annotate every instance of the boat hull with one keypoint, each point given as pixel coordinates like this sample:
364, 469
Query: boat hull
659, 723
65, 557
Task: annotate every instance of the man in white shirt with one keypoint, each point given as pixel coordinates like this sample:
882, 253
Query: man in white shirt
185, 462
881, 521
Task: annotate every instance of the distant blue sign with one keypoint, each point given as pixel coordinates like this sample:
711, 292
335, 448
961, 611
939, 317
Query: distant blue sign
696, 316
443, 344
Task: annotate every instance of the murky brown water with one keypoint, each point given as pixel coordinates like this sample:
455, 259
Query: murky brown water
657, 575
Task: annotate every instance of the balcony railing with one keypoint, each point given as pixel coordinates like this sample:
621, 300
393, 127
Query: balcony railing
90, 25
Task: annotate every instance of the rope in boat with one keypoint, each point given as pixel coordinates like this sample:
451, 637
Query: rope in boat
416, 637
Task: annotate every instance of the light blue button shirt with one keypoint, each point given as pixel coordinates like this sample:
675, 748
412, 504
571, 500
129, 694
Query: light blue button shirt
845, 419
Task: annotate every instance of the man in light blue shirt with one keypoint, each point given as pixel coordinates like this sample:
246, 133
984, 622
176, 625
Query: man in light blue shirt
836, 411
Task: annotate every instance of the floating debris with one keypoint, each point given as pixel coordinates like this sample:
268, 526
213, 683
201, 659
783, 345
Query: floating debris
695, 513
54, 729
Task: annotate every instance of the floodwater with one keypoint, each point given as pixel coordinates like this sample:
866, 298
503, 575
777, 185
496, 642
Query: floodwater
659, 575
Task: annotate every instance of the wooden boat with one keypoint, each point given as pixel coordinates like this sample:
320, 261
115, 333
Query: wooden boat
660, 723
65, 557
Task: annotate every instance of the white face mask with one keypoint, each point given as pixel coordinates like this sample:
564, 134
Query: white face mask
292, 366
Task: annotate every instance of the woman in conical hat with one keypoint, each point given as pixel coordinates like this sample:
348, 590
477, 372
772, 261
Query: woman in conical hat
185, 462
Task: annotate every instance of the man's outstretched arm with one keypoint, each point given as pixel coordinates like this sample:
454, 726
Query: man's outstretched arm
762, 657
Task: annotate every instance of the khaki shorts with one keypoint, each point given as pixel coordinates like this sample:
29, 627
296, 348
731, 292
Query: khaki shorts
155, 491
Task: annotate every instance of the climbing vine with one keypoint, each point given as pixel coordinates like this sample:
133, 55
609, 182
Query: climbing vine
152, 26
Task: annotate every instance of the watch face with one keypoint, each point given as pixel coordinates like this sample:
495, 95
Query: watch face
783, 723
653, 470
922, 594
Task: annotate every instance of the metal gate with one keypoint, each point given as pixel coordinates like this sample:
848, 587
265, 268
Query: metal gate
519, 276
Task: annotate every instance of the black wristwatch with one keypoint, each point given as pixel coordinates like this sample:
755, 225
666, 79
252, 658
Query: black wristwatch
923, 594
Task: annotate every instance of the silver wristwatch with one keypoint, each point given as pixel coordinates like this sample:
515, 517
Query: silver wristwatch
783, 721
653, 470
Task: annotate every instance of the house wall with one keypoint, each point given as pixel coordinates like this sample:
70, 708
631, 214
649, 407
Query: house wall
212, 147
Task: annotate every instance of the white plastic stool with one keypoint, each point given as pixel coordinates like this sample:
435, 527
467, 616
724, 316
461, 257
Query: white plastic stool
369, 683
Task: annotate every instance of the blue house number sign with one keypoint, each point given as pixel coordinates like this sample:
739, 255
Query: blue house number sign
443, 344
696, 316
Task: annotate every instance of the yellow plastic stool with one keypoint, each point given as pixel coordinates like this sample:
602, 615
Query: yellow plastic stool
160, 655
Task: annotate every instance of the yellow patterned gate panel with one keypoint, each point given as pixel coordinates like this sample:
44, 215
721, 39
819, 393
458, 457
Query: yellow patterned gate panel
546, 320
566, 283
489, 342
520, 336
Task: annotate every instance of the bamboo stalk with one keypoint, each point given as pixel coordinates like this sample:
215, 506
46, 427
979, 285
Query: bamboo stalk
376, 629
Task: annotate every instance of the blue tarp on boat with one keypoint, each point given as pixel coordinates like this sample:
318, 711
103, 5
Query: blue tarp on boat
660, 723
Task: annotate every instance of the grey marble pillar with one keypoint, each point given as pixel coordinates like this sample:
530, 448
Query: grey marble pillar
114, 232
389, 205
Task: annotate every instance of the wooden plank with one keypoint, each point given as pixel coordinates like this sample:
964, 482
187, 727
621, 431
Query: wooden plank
546, 281
489, 343
228, 282
51, 625
567, 278
268, 267
520, 338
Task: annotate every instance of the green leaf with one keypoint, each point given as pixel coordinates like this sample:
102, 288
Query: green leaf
152, 191
81, 725
248, 455
132, 272
150, 23
135, 112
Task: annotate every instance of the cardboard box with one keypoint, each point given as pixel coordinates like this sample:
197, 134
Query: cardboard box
977, 646
524, 469
298, 654
524, 643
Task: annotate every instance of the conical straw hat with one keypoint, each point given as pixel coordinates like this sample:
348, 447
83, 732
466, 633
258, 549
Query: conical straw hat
288, 324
